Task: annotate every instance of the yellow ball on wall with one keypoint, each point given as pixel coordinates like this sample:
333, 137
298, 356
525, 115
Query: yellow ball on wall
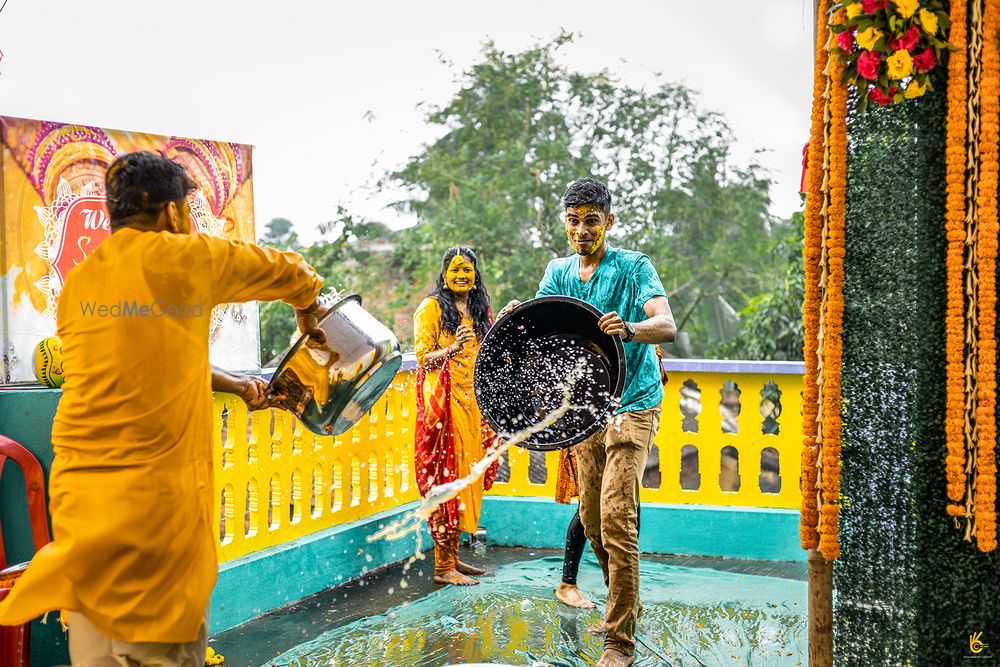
49, 362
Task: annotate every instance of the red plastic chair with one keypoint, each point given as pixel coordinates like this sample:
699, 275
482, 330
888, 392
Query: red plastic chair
15, 641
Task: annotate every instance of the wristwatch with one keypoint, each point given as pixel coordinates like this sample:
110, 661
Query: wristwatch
629, 332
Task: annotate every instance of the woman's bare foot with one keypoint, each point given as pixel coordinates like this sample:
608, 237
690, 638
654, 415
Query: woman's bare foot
571, 595
465, 568
598, 628
455, 578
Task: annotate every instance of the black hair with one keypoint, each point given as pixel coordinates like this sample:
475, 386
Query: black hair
479, 298
587, 190
138, 184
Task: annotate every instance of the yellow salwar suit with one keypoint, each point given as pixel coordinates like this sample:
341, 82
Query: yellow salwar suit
134, 548
466, 425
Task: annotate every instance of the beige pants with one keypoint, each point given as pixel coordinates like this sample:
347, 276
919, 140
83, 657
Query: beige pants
89, 648
610, 464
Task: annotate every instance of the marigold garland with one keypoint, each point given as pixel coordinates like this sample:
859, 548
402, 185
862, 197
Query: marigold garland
955, 130
815, 200
989, 137
829, 544
972, 154
972, 233
974, 56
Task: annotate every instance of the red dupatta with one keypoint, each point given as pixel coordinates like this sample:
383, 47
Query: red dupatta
434, 450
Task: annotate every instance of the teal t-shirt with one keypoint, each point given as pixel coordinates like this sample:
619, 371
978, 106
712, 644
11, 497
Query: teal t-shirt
623, 282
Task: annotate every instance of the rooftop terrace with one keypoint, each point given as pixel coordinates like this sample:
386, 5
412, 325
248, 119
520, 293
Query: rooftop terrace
299, 583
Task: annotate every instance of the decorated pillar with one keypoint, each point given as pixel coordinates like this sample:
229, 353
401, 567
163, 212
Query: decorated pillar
899, 452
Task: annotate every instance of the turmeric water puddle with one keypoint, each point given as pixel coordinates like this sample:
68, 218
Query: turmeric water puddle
693, 616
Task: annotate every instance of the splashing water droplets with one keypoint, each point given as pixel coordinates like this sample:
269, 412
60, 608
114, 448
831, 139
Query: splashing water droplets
413, 521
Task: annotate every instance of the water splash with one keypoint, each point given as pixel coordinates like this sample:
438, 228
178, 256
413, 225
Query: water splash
412, 522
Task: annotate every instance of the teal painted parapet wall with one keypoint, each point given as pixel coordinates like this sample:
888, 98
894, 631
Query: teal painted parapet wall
274, 577
26, 417
693, 530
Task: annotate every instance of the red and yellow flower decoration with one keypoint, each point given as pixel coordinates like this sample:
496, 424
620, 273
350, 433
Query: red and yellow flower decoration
889, 48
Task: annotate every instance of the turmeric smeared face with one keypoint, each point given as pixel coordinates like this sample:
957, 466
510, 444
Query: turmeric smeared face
586, 227
460, 276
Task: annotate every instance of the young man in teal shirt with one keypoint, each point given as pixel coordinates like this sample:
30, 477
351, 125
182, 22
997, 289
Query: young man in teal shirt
623, 285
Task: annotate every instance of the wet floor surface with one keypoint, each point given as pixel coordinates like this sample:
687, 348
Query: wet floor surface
699, 611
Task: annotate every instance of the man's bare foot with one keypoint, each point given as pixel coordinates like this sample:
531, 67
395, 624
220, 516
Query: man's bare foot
613, 658
455, 578
598, 628
465, 568
571, 595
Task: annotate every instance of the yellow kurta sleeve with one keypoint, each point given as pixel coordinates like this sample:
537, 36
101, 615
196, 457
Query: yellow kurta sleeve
426, 328
246, 272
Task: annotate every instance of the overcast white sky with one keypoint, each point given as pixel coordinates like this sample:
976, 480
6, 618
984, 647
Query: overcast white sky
328, 92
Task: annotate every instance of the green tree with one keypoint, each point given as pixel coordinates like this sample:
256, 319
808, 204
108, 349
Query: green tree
517, 131
771, 325
522, 126
345, 254
280, 233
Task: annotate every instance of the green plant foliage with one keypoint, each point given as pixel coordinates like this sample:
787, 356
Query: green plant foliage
352, 255
522, 127
909, 590
770, 327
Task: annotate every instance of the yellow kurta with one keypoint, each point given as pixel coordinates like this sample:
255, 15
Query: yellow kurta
131, 487
466, 420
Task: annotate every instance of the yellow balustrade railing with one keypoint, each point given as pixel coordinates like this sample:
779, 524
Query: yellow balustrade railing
719, 466
726, 437
276, 481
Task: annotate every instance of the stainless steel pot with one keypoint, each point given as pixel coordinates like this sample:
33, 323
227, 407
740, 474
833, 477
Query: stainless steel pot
331, 386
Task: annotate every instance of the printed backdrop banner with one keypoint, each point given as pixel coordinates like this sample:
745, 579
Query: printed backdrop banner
53, 215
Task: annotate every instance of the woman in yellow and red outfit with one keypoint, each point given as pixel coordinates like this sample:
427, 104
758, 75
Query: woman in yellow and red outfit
451, 435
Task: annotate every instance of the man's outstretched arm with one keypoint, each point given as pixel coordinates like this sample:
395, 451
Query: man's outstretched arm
252, 390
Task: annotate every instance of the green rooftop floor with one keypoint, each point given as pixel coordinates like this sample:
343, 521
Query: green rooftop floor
698, 612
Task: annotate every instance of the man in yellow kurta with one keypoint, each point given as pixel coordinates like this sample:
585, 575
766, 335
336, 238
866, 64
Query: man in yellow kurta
133, 556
